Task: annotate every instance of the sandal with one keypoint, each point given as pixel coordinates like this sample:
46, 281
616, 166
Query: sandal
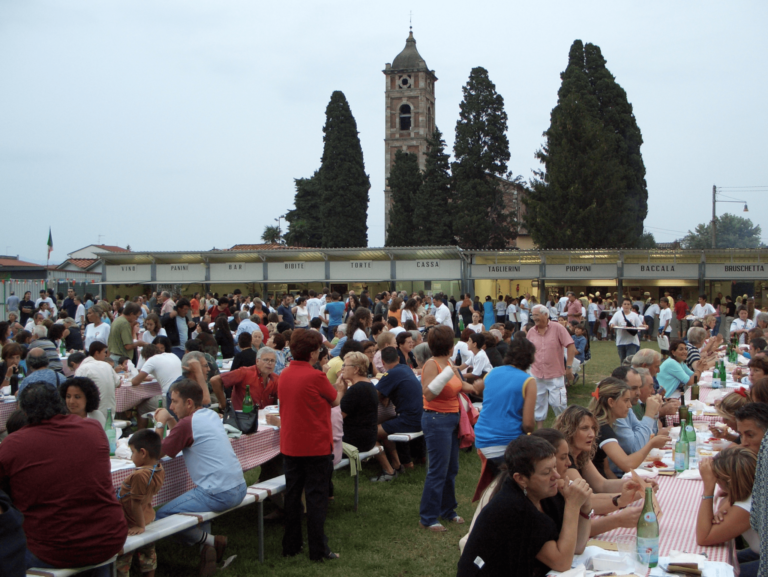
458, 520
436, 528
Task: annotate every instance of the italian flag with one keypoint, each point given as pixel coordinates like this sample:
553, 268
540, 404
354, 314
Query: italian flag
50, 242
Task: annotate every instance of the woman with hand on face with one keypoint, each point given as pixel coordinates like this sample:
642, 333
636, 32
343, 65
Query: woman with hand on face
612, 400
537, 521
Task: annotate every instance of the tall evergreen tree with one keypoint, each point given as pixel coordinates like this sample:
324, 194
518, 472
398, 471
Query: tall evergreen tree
432, 211
582, 199
303, 221
404, 181
343, 182
480, 217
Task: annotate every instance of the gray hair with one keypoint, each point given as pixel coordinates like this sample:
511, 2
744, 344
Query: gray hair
193, 355
540, 307
642, 371
498, 334
40, 331
68, 322
37, 361
415, 335
242, 315
696, 335
422, 353
342, 328
165, 294
266, 351
762, 317
645, 358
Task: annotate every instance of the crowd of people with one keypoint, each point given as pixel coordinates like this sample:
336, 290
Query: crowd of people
348, 372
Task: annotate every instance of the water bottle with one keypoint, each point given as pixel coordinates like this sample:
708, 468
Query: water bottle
690, 436
109, 427
648, 533
716, 376
682, 457
461, 324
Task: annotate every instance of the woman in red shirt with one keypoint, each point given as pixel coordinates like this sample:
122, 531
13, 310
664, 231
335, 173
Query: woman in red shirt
306, 442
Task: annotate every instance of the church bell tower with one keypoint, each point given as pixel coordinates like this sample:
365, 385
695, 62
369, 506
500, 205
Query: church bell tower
410, 110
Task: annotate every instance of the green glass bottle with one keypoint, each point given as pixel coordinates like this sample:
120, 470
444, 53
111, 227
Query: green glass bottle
461, 324
716, 376
109, 427
160, 428
682, 457
690, 436
723, 374
648, 533
247, 401
63, 348
695, 388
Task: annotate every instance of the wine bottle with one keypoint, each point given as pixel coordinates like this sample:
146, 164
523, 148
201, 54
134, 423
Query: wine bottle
648, 533
695, 388
109, 427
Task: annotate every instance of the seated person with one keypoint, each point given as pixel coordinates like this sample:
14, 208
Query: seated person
613, 400
247, 356
462, 356
47, 339
733, 471
276, 342
334, 365
121, 366
384, 340
493, 354
164, 367
405, 346
547, 530
674, 373
260, 380
14, 543
479, 364
668, 407
727, 408
360, 404
701, 355
81, 395
74, 339
752, 422
758, 368
38, 370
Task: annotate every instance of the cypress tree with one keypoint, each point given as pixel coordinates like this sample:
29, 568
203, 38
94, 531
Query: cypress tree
432, 210
404, 182
343, 183
303, 226
481, 149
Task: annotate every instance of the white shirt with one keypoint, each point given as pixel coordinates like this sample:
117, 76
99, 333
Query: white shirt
314, 306
524, 311
622, 336
512, 313
443, 316
480, 364
664, 316
701, 311
106, 380
750, 535
321, 314
561, 306
591, 310
51, 304
738, 325
652, 310
165, 367
478, 328
94, 333
80, 314
396, 330
302, 317
406, 316
360, 336
501, 308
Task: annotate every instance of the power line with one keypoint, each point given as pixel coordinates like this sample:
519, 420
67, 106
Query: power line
732, 187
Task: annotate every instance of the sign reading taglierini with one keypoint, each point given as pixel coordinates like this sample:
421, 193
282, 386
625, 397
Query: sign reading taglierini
508, 271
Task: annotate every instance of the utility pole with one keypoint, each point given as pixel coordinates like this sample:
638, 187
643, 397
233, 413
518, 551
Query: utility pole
714, 218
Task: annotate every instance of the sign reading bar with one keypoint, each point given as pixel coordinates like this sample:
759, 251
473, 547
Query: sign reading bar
296, 271
581, 271
429, 269
237, 272
365, 270
188, 272
498, 271
737, 270
661, 271
130, 273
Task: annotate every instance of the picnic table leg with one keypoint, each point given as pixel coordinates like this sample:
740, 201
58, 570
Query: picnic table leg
357, 488
261, 531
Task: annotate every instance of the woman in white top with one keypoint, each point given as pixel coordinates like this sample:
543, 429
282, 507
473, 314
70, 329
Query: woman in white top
358, 324
409, 312
512, 311
627, 343
301, 314
742, 325
95, 330
152, 330
477, 323
733, 470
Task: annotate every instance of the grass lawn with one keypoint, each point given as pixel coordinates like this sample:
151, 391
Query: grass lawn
383, 538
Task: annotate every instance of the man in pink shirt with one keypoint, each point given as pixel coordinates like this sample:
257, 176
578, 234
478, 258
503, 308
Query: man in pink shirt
549, 370
573, 308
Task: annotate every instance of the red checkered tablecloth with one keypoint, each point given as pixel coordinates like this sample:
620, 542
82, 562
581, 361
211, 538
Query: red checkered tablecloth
251, 451
706, 395
127, 396
5, 411
679, 500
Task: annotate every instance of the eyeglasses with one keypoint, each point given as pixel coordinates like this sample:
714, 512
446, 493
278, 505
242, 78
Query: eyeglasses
271, 361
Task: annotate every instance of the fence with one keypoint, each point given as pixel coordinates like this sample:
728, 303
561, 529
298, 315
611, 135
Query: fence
20, 286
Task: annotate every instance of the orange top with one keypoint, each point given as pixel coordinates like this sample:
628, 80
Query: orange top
448, 399
395, 315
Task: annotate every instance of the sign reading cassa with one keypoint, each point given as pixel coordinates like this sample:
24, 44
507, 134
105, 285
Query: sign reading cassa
737, 270
497, 271
431, 269
661, 271
296, 271
130, 273
581, 271
237, 272
367, 270
187, 272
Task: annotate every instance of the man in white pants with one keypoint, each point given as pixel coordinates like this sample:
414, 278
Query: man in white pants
550, 338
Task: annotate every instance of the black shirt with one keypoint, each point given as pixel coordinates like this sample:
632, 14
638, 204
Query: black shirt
509, 533
69, 306
494, 356
730, 309
361, 405
246, 358
411, 362
604, 436
74, 341
24, 317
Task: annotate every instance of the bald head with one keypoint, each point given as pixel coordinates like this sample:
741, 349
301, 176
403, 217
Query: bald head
36, 360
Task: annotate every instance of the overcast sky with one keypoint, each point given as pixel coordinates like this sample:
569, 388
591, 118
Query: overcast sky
170, 125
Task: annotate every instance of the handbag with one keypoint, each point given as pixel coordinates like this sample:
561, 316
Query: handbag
663, 342
630, 332
248, 423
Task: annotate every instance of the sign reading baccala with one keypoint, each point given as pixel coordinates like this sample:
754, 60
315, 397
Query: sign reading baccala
661, 271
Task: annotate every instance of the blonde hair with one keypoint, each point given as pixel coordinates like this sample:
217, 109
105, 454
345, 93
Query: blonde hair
384, 340
608, 388
731, 403
568, 423
735, 469
358, 360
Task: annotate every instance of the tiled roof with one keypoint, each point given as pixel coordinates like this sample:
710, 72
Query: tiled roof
258, 247
112, 248
82, 263
15, 262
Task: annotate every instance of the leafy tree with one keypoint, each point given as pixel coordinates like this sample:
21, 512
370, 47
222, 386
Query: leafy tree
732, 232
582, 198
404, 181
343, 183
271, 235
647, 241
480, 217
432, 208
304, 227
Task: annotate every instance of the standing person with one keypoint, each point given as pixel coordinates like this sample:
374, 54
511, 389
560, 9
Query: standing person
26, 308
627, 341
524, 310
742, 325
212, 466
194, 306
177, 327
124, 332
79, 312
550, 338
443, 314
12, 304
441, 385
501, 310
465, 310
592, 314
730, 312
301, 313
573, 307
649, 318
69, 304
306, 442
703, 308
313, 305
284, 312
681, 311
512, 313
334, 314
488, 314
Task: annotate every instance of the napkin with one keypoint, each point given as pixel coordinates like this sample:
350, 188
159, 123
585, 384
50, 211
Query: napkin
697, 406
117, 464
690, 474
578, 571
676, 557
651, 473
123, 451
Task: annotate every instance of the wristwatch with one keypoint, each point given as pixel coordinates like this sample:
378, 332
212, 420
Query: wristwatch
568, 366
615, 502
592, 512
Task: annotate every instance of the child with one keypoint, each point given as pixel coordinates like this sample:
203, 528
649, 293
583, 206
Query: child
581, 343
135, 495
122, 365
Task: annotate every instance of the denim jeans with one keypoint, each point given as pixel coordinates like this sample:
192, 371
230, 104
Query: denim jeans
749, 561
438, 499
626, 351
199, 501
103, 571
716, 330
